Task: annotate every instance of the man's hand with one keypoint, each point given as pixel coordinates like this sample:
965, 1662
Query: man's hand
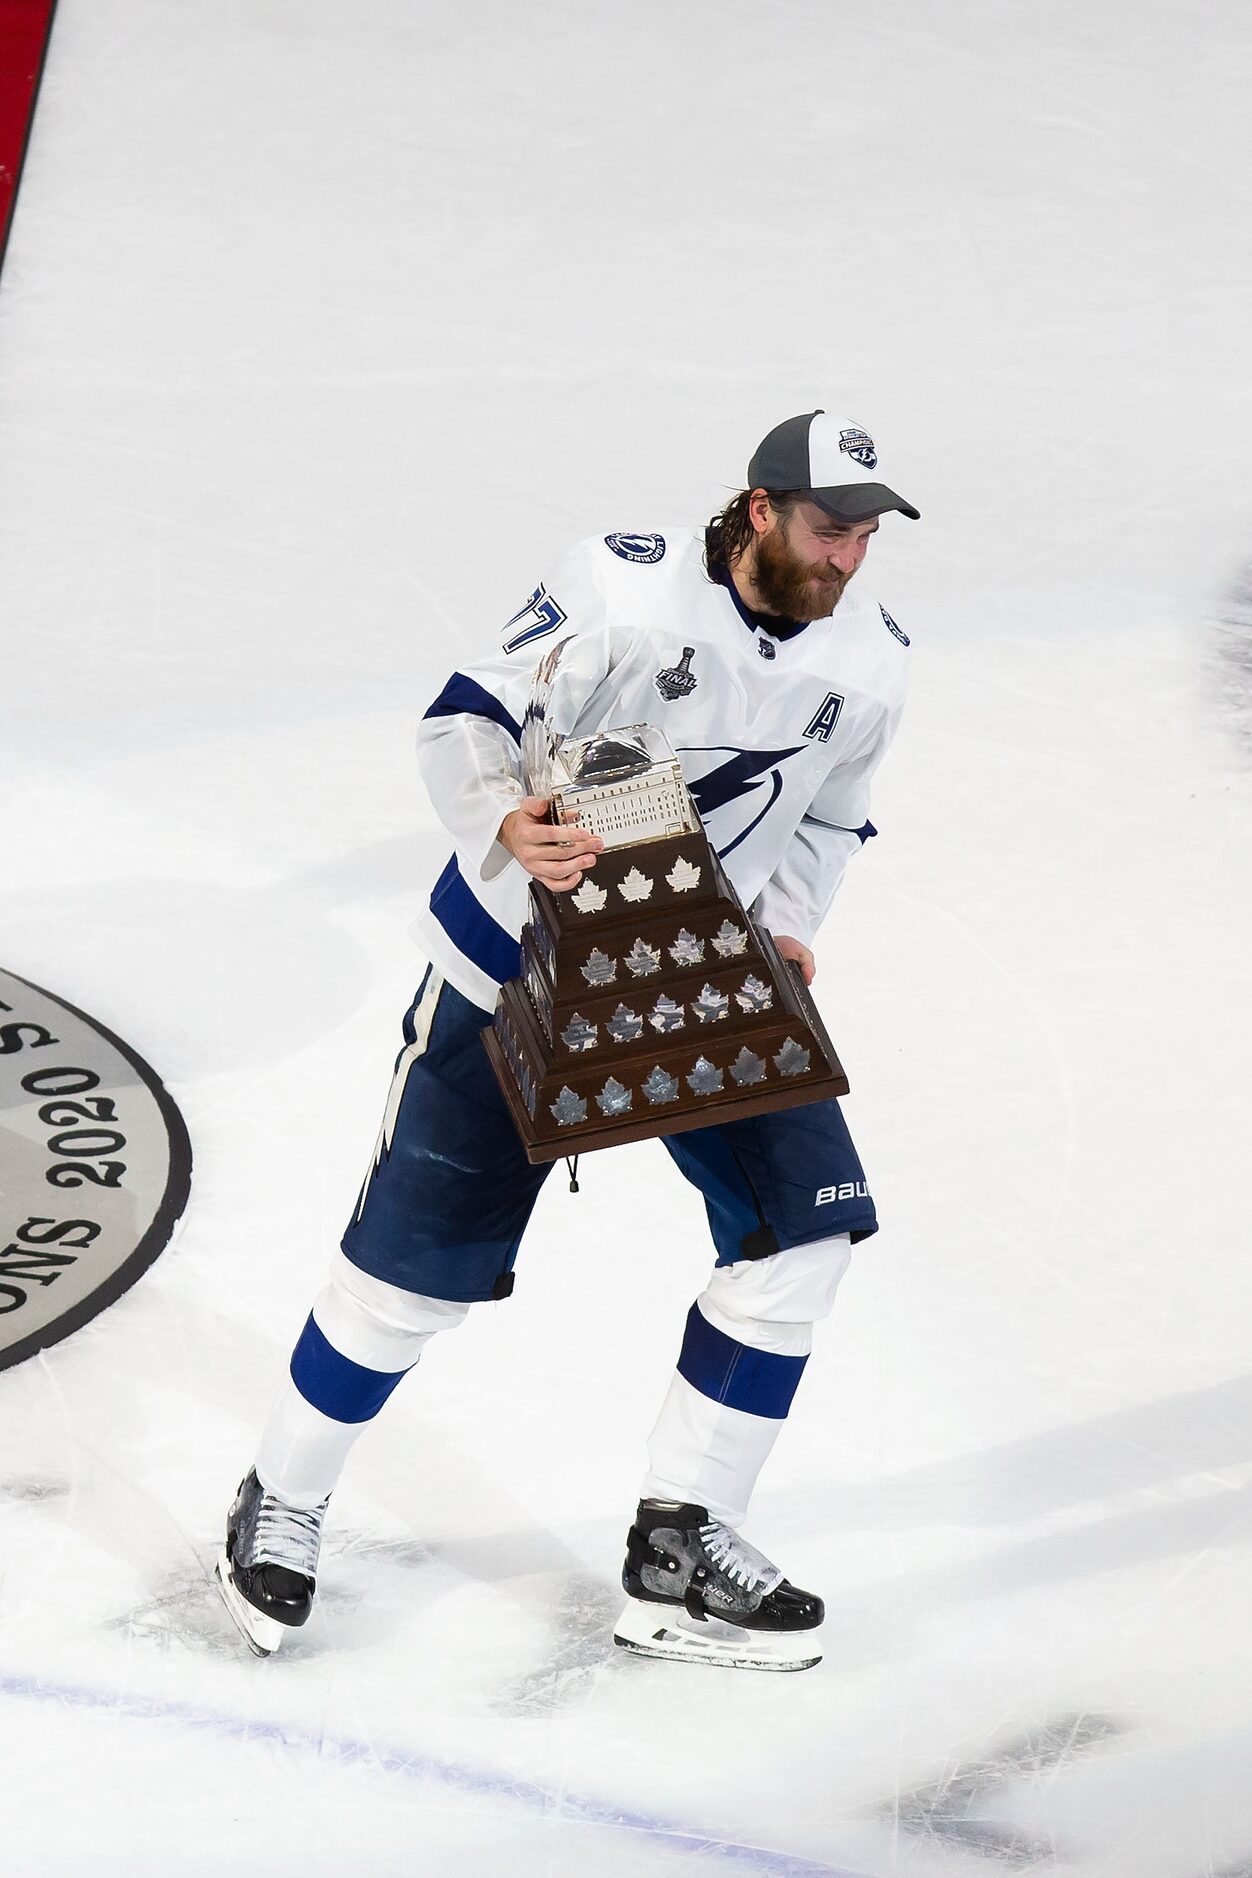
800, 955
558, 856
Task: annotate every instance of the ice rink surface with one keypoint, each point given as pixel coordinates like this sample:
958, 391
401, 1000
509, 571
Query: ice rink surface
324, 330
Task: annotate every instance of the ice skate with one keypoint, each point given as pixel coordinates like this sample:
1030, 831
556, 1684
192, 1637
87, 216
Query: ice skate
268, 1565
698, 1593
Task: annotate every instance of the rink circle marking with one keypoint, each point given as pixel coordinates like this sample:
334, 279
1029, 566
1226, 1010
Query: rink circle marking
96, 1168
347, 1751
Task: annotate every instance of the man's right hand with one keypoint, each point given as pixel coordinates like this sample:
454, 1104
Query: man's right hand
558, 856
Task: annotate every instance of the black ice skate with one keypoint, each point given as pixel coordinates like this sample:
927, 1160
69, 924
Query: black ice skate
700, 1593
268, 1566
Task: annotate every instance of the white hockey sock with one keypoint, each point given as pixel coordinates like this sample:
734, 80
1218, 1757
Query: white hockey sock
362, 1338
747, 1340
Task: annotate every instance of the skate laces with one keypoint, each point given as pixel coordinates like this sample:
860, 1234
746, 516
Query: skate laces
745, 1567
286, 1535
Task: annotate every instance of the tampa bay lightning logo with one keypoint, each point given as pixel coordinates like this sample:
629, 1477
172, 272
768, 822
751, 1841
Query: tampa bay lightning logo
734, 788
644, 548
891, 626
859, 445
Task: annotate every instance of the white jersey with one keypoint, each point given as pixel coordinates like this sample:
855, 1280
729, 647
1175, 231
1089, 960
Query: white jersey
777, 737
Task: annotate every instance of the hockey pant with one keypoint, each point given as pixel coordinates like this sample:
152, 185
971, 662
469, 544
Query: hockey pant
747, 1339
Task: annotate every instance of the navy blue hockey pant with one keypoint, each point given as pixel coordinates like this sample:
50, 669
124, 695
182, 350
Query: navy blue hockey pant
444, 1207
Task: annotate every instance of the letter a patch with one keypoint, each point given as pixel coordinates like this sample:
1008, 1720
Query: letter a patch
825, 719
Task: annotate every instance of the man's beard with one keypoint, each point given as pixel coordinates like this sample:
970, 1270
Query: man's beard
791, 587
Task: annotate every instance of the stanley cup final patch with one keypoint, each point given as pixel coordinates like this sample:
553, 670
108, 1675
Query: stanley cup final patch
95, 1168
677, 681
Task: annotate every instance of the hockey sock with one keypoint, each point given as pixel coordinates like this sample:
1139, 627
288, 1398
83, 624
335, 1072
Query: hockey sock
746, 1343
362, 1338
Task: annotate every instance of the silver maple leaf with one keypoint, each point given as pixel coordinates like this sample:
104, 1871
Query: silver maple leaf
643, 959
754, 996
636, 886
729, 942
748, 1068
659, 1087
683, 876
600, 969
624, 1025
704, 1079
687, 949
666, 1015
791, 1059
579, 1034
711, 1005
569, 1108
589, 898
614, 1099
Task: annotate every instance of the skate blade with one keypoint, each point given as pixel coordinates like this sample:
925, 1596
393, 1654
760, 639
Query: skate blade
667, 1631
262, 1634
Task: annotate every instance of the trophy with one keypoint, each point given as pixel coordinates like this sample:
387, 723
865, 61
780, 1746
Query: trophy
649, 1002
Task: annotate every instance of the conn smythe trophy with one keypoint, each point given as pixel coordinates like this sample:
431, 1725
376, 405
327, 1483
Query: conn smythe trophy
648, 1001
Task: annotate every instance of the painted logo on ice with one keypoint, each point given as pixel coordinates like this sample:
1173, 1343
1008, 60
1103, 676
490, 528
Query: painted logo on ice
96, 1164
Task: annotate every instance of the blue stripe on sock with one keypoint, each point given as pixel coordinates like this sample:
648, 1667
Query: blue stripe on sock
333, 1383
756, 1381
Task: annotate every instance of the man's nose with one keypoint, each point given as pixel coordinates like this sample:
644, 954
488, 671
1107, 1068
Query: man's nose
846, 556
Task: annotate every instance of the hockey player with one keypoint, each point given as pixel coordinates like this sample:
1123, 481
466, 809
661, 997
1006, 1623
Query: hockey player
780, 688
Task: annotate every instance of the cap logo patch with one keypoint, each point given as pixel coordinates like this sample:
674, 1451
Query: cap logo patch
859, 445
644, 548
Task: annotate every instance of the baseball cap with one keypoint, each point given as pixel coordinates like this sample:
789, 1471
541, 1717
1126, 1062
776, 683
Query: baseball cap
832, 461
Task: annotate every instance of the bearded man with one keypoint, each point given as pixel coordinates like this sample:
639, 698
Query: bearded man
780, 690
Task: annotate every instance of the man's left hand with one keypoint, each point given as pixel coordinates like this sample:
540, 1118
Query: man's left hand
798, 954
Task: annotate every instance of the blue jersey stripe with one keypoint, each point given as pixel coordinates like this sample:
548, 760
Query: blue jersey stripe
756, 1381
333, 1383
471, 928
465, 697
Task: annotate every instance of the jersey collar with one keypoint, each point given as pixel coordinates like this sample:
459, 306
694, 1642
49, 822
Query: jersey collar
772, 623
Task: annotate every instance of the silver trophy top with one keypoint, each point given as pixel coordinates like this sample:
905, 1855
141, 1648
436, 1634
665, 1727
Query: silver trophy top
623, 784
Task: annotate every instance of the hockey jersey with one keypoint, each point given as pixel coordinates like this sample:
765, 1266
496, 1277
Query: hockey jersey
777, 737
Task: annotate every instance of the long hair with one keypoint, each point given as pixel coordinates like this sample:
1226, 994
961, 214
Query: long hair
729, 533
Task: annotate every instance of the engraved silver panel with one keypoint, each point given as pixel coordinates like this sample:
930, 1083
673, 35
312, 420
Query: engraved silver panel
635, 886
589, 898
754, 996
614, 1098
687, 949
791, 1059
704, 1078
569, 1108
643, 960
579, 1034
711, 1005
730, 942
747, 1068
659, 1087
666, 1015
624, 1025
683, 875
600, 969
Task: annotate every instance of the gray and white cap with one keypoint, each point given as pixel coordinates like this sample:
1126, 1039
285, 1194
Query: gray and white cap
832, 461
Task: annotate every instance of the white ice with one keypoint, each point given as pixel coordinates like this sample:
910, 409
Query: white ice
324, 329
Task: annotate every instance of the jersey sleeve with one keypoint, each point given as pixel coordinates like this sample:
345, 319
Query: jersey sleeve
469, 741
835, 826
